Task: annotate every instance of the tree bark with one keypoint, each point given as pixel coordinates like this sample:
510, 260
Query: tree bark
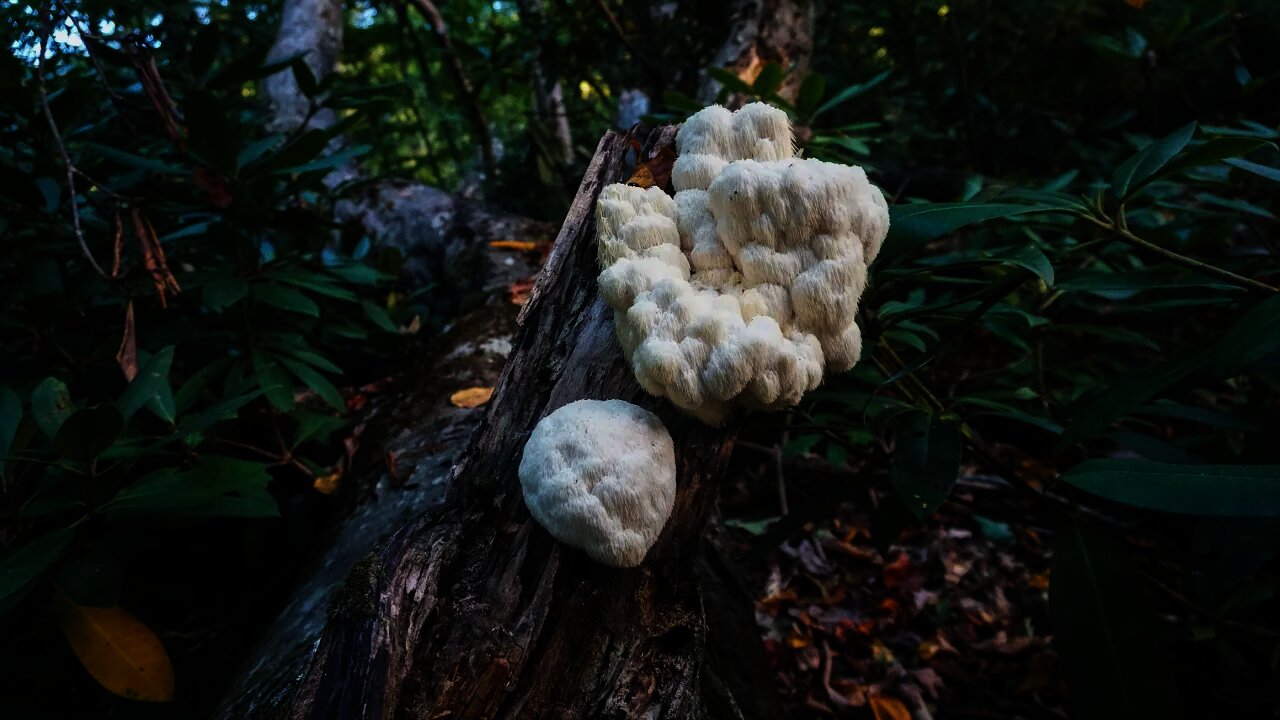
472, 610
312, 28
763, 32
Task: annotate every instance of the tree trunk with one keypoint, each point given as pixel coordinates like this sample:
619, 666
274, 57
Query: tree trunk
472, 610
763, 32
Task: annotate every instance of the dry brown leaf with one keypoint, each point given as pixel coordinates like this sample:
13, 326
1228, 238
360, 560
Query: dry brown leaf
889, 708
121, 653
327, 484
655, 171
522, 245
520, 291
127, 355
117, 247
153, 258
471, 397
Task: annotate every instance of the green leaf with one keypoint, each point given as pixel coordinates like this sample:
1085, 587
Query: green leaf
274, 381
10, 416
316, 382
285, 298
926, 462
1214, 150
316, 426
1106, 631
1233, 490
811, 92
1253, 337
911, 226
223, 292
150, 383
28, 561
1033, 259
768, 80
359, 274
1140, 169
87, 433
216, 487
222, 411
51, 405
378, 316
850, 93
1265, 171
138, 161
729, 80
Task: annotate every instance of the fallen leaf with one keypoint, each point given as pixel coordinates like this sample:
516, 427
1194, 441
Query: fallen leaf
522, 245
654, 171
327, 484
127, 355
471, 397
889, 708
520, 291
1039, 581
121, 653
896, 572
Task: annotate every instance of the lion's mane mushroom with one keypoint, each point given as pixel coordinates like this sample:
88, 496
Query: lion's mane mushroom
600, 475
742, 288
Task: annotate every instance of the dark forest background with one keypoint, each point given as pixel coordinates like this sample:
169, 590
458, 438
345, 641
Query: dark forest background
1049, 489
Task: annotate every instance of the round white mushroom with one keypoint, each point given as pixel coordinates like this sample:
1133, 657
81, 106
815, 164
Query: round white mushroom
742, 288
600, 475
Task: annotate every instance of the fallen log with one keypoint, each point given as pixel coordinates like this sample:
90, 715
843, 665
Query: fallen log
473, 610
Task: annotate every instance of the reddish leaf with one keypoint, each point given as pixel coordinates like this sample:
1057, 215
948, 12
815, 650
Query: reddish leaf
127, 355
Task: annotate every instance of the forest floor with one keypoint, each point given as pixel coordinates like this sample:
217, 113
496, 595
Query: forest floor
953, 616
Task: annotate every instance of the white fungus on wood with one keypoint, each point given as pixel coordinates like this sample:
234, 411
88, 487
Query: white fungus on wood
743, 288
600, 475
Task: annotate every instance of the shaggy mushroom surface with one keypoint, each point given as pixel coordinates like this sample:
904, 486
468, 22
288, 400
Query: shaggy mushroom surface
743, 288
600, 475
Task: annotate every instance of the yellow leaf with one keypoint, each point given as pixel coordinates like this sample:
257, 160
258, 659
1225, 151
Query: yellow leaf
889, 708
523, 245
121, 653
471, 397
327, 484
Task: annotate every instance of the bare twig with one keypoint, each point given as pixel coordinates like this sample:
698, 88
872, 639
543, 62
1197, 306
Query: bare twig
470, 100
1120, 228
62, 148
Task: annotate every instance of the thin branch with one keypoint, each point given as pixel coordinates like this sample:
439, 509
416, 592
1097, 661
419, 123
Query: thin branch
1122, 232
470, 101
62, 148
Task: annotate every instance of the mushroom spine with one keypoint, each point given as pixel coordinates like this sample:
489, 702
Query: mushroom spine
600, 475
743, 288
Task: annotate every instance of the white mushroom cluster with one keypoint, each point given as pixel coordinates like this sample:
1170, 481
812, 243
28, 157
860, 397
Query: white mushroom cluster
600, 475
743, 288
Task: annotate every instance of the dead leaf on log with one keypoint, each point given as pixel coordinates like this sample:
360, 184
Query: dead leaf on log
889, 708
327, 484
127, 355
121, 653
471, 397
655, 171
520, 291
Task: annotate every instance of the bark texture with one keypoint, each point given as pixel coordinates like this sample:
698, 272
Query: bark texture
472, 610
312, 28
763, 32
